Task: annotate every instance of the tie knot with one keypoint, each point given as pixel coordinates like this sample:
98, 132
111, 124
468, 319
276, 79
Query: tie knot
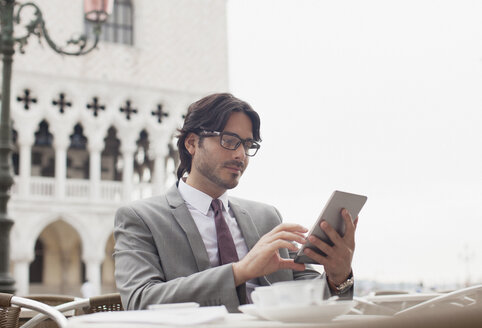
216, 205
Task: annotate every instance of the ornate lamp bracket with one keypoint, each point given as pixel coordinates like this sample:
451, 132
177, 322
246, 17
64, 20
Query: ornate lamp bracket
37, 27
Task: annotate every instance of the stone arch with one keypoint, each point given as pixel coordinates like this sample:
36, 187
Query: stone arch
62, 260
108, 279
30, 236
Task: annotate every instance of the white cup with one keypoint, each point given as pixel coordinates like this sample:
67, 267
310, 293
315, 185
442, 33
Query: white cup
299, 292
264, 296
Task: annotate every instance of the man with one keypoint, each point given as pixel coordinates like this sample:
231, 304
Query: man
196, 244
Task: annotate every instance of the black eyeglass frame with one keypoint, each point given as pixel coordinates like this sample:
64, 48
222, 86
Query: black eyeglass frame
254, 144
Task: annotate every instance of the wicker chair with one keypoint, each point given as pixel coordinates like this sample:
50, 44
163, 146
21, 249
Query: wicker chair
105, 303
10, 309
102, 303
49, 299
52, 300
469, 297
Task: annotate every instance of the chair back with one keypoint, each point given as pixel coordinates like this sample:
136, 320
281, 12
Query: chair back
105, 303
49, 299
8, 313
8, 300
102, 303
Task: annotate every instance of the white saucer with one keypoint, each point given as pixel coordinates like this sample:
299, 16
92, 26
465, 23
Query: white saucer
420, 297
310, 314
358, 317
250, 309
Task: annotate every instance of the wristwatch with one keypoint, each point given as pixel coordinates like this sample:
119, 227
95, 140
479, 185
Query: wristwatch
346, 285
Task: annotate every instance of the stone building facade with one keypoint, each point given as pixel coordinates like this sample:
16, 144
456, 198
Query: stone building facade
94, 132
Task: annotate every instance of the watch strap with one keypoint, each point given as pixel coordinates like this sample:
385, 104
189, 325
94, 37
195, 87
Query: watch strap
346, 285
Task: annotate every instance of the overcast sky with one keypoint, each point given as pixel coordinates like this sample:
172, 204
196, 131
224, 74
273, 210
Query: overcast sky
381, 98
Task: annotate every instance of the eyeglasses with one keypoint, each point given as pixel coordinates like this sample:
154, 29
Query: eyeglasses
231, 141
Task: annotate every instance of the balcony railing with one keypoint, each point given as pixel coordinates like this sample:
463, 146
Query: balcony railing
111, 190
41, 187
78, 189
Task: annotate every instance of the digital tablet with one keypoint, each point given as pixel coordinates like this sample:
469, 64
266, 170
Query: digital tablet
332, 214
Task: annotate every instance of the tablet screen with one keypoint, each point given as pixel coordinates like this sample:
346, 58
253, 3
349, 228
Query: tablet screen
332, 214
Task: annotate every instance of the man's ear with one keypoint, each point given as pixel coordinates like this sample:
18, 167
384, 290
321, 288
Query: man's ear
191, 143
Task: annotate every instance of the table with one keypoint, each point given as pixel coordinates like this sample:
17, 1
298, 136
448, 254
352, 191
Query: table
232, 320
462, 318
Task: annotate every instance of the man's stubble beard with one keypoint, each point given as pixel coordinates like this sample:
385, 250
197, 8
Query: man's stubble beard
209, 173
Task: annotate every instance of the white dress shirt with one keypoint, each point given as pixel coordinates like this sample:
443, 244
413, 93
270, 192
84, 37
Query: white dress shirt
199, 204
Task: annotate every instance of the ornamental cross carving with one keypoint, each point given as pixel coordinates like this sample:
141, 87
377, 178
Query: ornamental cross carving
27, 99
160, 113
95, 106
128, 109
62, 103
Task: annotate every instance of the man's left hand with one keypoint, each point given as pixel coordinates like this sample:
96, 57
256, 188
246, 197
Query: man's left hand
338, 258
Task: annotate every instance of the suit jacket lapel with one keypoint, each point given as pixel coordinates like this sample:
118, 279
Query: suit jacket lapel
183, 217
246, 225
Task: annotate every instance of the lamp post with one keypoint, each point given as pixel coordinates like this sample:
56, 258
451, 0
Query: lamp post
95, 11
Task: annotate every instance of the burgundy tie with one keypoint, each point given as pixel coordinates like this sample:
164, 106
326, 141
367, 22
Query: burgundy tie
226, 248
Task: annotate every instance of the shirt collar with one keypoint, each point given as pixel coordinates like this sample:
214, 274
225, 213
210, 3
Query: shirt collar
198, 199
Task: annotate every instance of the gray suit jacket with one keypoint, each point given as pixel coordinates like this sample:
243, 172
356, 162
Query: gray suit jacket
160, 255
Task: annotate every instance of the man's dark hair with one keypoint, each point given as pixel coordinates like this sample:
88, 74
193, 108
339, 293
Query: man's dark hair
211, 113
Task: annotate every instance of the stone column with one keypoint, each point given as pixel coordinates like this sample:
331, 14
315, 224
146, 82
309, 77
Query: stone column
21, 276
60, 170
92, 273
61, 143
95, 170
128, 148
127, 173
22, 253
25, 170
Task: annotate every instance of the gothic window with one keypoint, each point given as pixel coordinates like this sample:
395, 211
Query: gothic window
111, 157
143, 159
77, 139
43, 154
43, 138
77, 155
119, 25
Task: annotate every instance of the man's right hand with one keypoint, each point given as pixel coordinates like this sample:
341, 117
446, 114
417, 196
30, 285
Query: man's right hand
264, 257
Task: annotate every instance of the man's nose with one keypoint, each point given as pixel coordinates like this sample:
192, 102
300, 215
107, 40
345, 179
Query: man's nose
240, 152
